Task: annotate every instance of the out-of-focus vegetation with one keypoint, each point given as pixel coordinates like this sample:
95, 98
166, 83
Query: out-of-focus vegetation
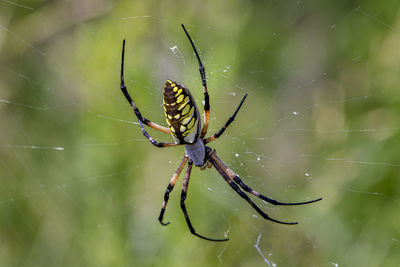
81, 186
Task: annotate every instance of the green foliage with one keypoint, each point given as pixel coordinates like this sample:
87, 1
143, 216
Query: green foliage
81, 186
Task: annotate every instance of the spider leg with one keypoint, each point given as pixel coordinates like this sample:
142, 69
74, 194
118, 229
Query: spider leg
204, 82
137, 112
230, 120
211, 157
183, 207
246, 188
154, 142
128, 97
170, 186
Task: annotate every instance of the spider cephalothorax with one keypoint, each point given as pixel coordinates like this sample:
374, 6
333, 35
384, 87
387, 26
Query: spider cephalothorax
184, 124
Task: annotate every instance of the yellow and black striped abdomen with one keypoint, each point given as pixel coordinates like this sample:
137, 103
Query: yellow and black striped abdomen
181, 113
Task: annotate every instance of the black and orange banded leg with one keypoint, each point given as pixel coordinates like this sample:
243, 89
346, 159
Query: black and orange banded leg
246, 188
230, 120
183, 207
154, 142
135, 109
212, 158
170, 186
137, 112
204, 83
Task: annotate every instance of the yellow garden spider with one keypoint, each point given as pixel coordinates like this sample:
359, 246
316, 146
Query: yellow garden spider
184, 124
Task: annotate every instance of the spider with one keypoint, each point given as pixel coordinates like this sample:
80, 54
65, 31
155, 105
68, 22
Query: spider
184, 124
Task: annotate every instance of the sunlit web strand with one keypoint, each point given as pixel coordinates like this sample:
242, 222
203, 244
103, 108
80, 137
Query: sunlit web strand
22, 40
59, 186
341, 130
17, 4
144, 17
34, 147
372, 18
352, 161
260, 252
22, 105
110, 118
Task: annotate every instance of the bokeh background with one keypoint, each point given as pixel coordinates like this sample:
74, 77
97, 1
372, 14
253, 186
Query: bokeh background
81, 186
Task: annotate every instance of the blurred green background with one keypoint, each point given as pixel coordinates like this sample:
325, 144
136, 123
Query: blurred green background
81, 186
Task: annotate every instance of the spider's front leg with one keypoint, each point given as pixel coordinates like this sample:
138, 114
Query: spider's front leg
183, 206
246, 188
170, 186
232, 178
242, 194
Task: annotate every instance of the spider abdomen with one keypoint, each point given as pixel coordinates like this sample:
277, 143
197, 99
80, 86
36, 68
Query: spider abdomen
181, 113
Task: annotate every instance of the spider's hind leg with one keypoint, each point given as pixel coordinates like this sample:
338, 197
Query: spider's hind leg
141, 119
129, 99
202, 70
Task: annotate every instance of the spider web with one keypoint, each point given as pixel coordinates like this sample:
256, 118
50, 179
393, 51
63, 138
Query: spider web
78, 178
